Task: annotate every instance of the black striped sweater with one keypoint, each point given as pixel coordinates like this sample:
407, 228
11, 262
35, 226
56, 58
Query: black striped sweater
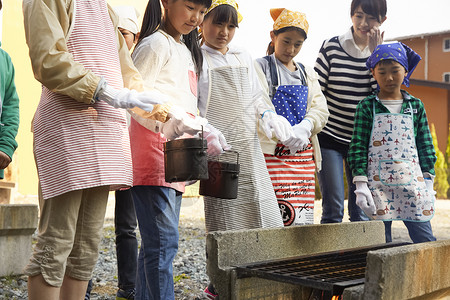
345, 81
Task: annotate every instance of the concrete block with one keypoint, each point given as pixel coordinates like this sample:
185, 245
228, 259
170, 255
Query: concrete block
419, 271
226, 249
353, 293
258, 288
17, 224
5, 191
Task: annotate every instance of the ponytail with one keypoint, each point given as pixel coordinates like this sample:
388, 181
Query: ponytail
152, 19
191, 41
270, 49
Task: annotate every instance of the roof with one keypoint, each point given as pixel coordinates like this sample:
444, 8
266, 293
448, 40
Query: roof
420, 35
429, 83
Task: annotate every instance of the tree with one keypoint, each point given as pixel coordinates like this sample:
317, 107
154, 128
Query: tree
441, 184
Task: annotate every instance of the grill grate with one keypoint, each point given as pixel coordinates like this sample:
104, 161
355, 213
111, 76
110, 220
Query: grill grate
330, 271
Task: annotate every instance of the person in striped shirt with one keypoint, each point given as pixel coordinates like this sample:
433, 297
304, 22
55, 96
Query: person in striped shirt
345, 81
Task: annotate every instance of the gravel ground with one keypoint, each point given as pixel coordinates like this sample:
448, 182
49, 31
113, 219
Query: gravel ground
189, 265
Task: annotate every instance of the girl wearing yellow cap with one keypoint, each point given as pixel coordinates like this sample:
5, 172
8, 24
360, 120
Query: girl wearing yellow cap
231, 98
295, 94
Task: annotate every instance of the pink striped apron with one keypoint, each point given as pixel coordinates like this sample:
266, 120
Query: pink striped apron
293, 180
77, 145
147, 147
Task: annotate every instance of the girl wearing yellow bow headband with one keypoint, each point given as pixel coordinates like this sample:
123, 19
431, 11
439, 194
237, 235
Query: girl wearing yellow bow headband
231, 98
295, 94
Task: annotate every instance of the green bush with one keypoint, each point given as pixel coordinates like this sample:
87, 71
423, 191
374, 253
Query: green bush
441, 184
447, 160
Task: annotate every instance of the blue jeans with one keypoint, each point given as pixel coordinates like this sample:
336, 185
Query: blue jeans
158, 211
419, 232
126, 242
331, 182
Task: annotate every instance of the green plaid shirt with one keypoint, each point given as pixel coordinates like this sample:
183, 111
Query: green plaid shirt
359, 146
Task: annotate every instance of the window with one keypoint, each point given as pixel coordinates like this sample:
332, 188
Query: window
446, 45
447, 77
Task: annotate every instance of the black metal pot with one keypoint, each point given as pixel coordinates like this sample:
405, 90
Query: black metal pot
185, 160
223, 179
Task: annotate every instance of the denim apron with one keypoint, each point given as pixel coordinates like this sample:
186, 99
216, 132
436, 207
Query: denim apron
292, 174
394, 175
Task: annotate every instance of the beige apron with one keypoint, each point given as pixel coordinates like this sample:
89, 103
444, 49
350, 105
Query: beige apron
77, 145
230, 109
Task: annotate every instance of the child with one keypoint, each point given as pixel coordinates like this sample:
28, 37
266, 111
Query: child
231, 99
391, 154
345, 81
9, 110
235, 120
124, 214
168, 56
295, 93
81, 141
128, 24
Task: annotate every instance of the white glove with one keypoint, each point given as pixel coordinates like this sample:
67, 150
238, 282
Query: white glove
180, 123
216, 141
126, 98
364, 198
279, 125
429, 183
300, 140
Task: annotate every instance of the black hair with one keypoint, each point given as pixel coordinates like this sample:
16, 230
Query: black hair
223, 14
387, 62
153, 19
375, 8
271, 48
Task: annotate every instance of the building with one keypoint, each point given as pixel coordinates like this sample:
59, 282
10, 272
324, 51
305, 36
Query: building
431, 80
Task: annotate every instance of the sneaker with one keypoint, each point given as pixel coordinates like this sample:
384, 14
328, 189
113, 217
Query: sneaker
210, 293
88, 291
125, 295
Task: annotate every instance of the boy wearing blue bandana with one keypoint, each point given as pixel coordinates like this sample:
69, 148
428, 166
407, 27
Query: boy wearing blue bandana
391, 154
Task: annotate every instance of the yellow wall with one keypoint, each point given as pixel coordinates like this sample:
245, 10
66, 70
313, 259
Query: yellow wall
13, 42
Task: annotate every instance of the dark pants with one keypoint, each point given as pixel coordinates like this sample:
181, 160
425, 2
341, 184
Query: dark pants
126, 241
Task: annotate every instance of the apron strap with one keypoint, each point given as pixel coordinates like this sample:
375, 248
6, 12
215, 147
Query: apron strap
301, 70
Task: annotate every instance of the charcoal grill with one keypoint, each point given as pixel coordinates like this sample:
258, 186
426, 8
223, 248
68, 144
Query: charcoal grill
331, 272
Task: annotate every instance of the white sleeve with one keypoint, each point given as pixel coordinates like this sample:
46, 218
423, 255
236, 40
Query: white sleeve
150, 56
317, 112
203, 89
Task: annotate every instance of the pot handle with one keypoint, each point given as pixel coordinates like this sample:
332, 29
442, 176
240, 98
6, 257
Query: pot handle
234, 151
202, 139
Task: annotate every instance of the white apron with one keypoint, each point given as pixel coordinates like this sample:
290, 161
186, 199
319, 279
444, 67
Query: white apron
394, 175
77, 145
230, 109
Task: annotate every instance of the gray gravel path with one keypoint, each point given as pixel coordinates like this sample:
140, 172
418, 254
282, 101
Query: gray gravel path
189, 265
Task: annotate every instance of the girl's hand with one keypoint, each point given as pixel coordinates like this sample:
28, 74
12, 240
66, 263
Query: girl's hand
375, 38
5, 160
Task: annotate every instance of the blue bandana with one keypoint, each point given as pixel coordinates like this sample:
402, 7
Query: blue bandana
398, 52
